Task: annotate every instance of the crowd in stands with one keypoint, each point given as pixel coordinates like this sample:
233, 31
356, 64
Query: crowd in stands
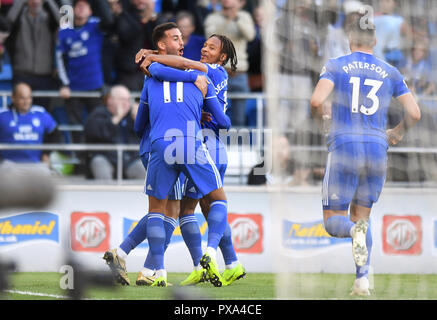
44, 46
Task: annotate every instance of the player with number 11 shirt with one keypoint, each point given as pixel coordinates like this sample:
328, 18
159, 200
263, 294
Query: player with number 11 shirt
362, 87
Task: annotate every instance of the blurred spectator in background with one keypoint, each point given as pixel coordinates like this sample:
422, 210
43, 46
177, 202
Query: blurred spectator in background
31, 44
113, 124
134, 24
171, 8
238, 25
5, 6
336, 42
25, 123
299, 62
193, 43
4, 33
254, 51
79, 59
393, 34
418, 71
261, 175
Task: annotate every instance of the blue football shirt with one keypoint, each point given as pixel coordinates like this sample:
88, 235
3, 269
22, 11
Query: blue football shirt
363, 88
82, 48
26, 128
219, 78
174, 109
142, 124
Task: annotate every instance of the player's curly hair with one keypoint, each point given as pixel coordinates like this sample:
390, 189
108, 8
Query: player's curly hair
229, 50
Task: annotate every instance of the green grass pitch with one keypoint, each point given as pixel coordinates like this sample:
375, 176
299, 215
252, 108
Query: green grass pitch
256, 286
31, 285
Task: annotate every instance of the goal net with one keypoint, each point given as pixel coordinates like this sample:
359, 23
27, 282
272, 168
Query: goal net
299, 36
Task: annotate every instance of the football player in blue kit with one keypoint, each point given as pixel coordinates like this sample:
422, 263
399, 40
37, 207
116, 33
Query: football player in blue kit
177, 146
216, 53
117, 261
116, 257
362, 87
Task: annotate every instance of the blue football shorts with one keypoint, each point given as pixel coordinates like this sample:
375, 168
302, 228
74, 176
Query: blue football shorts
175, 192
220, 159
355, 172
168, 159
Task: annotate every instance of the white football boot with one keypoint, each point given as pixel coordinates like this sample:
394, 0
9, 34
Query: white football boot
361, 287
359, 248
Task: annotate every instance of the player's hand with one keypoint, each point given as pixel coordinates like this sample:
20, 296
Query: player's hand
326, 123
143, 53
65, 92
205, 117
393, 136
202, 84
145, 65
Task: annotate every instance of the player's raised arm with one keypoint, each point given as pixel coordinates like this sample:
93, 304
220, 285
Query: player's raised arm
173, 61
213, 106
411, 117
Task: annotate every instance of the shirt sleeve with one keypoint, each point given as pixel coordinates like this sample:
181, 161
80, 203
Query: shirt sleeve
328, 71
142, 119
49, 123
399, 85
61, 50
144, 96
164, 73
213, 106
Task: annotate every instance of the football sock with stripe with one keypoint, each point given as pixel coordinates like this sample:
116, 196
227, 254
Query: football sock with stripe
227, 247
156, 237
134, 238
192, 236
169, 226
339, 226
217, 221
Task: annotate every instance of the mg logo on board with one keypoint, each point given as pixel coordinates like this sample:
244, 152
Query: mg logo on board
402, 235
90, 231
247, 232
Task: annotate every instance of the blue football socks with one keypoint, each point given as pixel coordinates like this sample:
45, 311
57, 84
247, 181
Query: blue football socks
227, 247
339, 226
217, 221
192, 236
169, 226
136, 236
156, 237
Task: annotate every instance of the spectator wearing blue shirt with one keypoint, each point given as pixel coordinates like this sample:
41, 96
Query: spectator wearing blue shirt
193, 43
25, 123
79, 58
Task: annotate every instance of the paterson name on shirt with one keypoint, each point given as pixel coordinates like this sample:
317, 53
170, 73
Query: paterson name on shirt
365, 66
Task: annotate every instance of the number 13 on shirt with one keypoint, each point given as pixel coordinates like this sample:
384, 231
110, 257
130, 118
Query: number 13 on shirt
372, 95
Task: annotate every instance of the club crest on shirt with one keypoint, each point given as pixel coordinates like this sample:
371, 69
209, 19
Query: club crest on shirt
36, 122
85, 35
323, 71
